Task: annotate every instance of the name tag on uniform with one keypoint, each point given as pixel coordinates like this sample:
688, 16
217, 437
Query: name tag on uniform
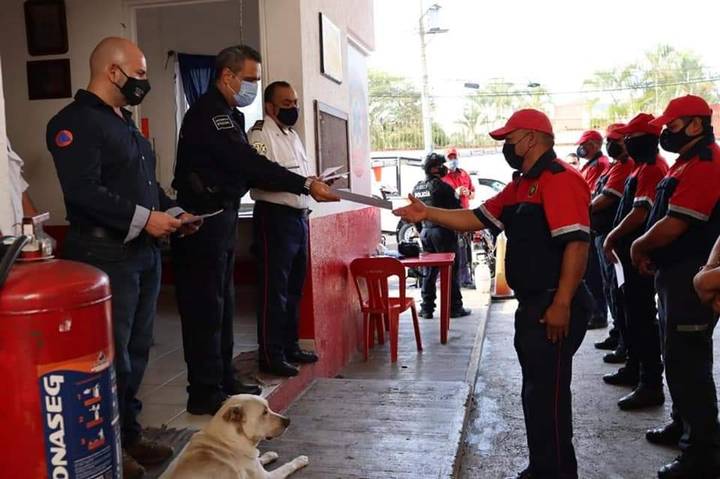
223, 122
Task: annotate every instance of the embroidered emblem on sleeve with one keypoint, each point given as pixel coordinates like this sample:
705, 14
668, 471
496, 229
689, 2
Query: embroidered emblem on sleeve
223, 122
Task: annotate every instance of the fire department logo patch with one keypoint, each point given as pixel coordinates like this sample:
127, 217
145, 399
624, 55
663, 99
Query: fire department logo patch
533, 190
63, 138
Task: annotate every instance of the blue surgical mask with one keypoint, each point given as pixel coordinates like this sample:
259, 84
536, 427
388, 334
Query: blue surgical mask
246, 95
452, 164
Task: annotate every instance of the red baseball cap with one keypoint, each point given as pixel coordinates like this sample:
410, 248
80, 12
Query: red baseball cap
527, 119
590, 135
688, 105
641, 123
612, 131
451, 151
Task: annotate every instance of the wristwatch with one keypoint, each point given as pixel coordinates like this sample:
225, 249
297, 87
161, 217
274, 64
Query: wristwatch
308, 183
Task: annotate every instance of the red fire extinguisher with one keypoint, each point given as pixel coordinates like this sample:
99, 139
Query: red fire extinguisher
58, 396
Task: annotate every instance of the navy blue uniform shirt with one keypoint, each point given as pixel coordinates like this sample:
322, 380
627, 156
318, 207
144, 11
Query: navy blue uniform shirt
106, 167
216, 165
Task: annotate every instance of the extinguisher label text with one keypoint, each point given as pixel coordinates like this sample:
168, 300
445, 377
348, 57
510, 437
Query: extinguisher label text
53, 405
81, 423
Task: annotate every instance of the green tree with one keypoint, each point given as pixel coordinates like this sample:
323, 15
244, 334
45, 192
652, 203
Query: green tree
395, 112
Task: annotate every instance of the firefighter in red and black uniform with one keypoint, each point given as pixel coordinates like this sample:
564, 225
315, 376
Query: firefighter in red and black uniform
606, 199
596, 164
545, 214
682, 227
636, 297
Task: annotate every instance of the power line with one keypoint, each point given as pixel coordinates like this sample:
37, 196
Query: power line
520, 93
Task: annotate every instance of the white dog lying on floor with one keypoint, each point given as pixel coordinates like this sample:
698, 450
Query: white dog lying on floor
227, 447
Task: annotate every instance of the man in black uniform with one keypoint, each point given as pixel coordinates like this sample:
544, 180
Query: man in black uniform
437, 239
116, 210
545, 213
215, 167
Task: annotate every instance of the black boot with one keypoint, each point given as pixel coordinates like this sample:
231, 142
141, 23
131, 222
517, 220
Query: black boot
278, 366
692, 465
205, 400
426, 314
460, 313
642, 397
297, 355
668, 435
619, 356
608, 344
623, 377
238, 387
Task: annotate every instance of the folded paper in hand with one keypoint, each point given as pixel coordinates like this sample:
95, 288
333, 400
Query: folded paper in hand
196, 218
362, 199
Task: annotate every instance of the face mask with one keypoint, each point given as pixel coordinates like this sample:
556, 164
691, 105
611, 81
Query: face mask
614, 149
642, 148
288, 116
673, 142
513, 159
452, 164
581, 151
246, 95
134, 89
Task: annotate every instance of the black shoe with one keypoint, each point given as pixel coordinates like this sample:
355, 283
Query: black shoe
691, 466
301, 357
426, 314
205, 403
238, 387
279, 367
668, 435
608, 344
623, 377
524, 474
642, 397
597, 323
460, 313
615, 357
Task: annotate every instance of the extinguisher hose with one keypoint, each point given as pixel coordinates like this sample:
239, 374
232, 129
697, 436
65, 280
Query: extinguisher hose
10, 254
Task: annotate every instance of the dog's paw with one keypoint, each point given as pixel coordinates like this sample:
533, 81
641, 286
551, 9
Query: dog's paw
269, 457
301, 461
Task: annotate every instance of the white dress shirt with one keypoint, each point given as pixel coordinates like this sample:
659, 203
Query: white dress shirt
283, 146
18, 185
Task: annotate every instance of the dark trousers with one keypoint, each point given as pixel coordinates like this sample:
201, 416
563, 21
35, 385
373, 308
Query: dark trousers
465, 266
134, 272
281, 248
640, 331
547, 374
687, 327
203, 264
593, 279
440, 240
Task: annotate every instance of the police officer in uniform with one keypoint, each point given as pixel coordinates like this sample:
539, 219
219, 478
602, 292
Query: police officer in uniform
606, 198
644, 367
436, 238
596, 164
682, 227
215, 167
280, 239
545, 214
117, 210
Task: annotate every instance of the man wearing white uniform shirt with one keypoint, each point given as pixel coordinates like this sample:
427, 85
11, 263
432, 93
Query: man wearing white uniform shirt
19, 198
280, 236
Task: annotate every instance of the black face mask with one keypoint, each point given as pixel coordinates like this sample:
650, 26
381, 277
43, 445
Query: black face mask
642, 149
581, 151
614, 149
513, 159
288, 116
673, 142
134, 89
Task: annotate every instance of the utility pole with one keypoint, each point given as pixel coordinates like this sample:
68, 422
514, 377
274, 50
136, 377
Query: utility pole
425, 100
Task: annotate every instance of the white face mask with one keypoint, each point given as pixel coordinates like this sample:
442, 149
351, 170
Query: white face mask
452, 164
246, 95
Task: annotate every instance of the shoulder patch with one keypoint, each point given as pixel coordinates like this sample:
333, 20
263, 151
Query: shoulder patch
258, 126
223, 122
260, 147
64, 138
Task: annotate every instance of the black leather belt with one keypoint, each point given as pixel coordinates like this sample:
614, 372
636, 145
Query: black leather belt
284, 208
101, 232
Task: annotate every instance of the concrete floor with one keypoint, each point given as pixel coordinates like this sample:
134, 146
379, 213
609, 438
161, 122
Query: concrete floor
609, 443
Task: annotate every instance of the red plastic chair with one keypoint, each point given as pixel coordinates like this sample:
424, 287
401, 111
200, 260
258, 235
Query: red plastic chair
371, 280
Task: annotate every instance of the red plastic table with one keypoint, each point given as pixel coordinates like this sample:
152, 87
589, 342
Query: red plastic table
444, 261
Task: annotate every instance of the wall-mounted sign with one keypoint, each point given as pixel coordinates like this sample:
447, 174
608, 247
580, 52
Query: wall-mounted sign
331, 58
46, 27
48, 79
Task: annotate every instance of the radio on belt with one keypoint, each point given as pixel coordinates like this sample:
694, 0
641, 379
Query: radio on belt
59, 399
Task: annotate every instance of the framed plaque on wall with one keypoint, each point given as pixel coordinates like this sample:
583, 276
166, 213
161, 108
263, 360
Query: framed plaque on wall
48, 79
331, 59
332, 142
46, 27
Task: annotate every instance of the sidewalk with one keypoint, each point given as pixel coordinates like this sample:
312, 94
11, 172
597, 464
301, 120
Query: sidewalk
377, 420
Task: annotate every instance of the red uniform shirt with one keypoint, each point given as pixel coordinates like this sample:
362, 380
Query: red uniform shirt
540, 211
593, 170
648, 176
459, 178
613, 181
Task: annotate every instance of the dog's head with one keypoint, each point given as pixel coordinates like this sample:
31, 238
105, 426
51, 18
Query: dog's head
251, 417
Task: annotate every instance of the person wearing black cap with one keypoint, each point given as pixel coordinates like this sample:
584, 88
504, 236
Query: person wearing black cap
545, 214
682, 227
433, 191
636, 296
